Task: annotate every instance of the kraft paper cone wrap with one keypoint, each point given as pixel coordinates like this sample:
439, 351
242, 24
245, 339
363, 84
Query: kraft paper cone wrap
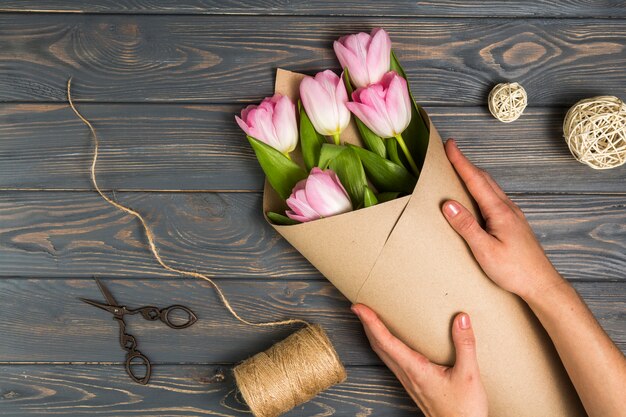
402, 259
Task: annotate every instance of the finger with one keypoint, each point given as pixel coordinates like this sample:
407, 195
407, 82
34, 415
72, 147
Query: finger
486, 197
387, 360
501, 193
387, 345
495, 186
465, 224
465, 345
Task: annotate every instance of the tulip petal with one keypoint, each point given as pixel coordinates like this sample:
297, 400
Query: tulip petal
341, 98
264, 127
285, 125
372, 110
325, 196
319, 105
246, 110
302, 208
352, 54
301, 219
243, 125
370, 118
398, 105
378, 59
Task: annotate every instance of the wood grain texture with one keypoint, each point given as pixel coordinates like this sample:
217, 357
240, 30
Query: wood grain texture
200, 147
77, 234
386, 8
188, 391
42, 318
224, 59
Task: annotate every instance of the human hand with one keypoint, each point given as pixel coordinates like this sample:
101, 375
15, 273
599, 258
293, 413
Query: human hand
439, 391
506, 249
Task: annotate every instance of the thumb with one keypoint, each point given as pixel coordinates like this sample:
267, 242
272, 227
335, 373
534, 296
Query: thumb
464, 344
465, 224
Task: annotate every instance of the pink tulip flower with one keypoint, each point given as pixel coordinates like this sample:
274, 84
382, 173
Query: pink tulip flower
272, 122
385, 108
368, 57
319, 195
324, 99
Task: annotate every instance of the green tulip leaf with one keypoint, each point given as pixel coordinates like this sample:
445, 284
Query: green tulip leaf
369, 198
310, 141
388, 196
371, 140
281, 172
384, 174
416, 134
349, 169
280, 219
395, 66
329, 152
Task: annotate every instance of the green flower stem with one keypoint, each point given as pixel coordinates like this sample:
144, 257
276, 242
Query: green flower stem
336, 139
407, 154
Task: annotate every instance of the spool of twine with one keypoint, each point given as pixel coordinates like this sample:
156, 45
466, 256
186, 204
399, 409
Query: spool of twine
595, 132
289, 373
272, 382
507, 101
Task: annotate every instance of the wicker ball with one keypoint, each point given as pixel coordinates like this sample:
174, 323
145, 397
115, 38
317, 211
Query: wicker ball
595, 131
507, 101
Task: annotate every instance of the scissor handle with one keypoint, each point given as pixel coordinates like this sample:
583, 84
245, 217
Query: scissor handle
130, 356
153, 313
165, 316
129, 344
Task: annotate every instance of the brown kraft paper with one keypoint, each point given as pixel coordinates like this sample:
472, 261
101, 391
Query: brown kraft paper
402, 259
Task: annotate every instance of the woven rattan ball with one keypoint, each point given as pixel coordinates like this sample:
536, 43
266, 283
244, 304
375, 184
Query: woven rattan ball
507, 101
595, 131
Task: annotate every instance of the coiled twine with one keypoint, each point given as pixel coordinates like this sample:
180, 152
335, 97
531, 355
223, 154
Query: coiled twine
289, 373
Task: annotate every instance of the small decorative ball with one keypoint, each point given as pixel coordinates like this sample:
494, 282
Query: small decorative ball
507, 101
595, 131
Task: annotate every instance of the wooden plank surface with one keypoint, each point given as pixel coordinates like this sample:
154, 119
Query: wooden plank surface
183, 390
43, 321
218, 59
200, 147
77, 234
386, 8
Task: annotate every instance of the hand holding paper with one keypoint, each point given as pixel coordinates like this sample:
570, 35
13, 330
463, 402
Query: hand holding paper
513, 258
509, 253
506, 249
439, 391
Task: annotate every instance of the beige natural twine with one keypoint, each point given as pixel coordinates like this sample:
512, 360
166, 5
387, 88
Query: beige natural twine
304, 364
595, 131
289, 373
507, 101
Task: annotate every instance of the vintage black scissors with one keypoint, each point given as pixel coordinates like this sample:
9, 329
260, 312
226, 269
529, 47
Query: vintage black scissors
127, 341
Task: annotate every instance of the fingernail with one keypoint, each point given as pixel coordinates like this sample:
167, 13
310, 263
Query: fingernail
464, 322
451, 209
354, 309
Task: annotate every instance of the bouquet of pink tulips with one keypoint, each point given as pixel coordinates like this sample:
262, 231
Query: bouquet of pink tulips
334, 177
333, 144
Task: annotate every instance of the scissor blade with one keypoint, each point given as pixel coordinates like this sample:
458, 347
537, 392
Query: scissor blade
107, 295
104, 307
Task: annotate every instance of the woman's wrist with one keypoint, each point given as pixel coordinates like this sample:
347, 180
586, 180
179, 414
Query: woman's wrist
545, 289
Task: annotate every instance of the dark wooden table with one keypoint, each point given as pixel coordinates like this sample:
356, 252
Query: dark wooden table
161, 81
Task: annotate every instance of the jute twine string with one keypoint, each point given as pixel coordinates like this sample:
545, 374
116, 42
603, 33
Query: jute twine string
307, 357
272, 382
595, 131
507, 101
